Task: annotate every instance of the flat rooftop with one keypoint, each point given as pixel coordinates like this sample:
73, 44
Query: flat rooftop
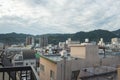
55, 58
93, 71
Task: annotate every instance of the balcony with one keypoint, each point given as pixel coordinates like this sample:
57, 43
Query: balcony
16, 73
10, 72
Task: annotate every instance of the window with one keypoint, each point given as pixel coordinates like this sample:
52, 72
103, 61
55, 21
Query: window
52, 75
75, 74
26, 64
42, 67
18, 63
32, 63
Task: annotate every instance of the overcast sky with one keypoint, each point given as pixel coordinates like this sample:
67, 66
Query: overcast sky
58, 16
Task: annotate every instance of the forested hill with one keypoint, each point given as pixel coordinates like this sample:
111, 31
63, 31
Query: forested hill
12, 38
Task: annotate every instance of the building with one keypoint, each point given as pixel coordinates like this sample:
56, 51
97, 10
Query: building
115, 40
62, 45
29, 40
54, 67
118, 73
98, 73
89, 53
1, 46
69, 42
43, 41
24, 58
101, 42
83, 63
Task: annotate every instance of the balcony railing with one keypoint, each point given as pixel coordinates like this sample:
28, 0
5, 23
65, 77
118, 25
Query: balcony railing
16, 73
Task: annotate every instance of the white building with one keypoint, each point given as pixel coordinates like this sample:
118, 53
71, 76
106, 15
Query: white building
24, 58
101, 42
115, 40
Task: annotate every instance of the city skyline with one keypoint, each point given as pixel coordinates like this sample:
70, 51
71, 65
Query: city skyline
58, 16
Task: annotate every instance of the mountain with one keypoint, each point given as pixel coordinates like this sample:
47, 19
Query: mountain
13, 38
95, 35
117, 32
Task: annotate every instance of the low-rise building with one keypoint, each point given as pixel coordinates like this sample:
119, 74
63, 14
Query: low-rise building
54, 67
118, 73
115, 40
24, 58
88, 53
84, 63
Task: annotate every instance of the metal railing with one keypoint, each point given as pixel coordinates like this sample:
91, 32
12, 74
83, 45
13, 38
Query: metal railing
16, 73
19, 73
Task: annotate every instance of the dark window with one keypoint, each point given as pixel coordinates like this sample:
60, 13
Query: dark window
42, 67
52, 75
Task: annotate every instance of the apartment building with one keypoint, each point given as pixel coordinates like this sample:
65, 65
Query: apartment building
84, 64
55, 67
24, 58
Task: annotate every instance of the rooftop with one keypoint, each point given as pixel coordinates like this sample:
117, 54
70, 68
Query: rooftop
28, 54
55, 58
94, 71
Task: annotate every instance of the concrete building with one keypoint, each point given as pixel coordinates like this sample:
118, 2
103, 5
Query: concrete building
43, 41
29, 40
21, 57
115, 40
1, 46
98, 73
87, 52
101, 42
54, 67
69, 42
62, 45
90, 56
118, 73
24, 58
85, 63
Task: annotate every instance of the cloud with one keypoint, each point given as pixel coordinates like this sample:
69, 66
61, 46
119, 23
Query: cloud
58, 16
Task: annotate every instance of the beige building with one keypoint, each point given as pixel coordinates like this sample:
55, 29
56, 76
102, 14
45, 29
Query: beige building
83, 58
118, 72
54, 67
88, 54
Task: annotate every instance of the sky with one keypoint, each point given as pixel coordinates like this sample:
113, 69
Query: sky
58, 16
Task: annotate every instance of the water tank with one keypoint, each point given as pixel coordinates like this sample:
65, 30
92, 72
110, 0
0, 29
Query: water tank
86, 40
63, 53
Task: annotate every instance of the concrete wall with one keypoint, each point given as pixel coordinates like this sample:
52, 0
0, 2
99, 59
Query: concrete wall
65, 68
29, 62
48, 65
88, 55
111, 61
78, 51
92, 57
118, 72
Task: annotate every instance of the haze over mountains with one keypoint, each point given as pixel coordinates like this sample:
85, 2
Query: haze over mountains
14, 38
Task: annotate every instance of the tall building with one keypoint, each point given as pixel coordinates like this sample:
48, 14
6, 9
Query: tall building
43, 41
29, 40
